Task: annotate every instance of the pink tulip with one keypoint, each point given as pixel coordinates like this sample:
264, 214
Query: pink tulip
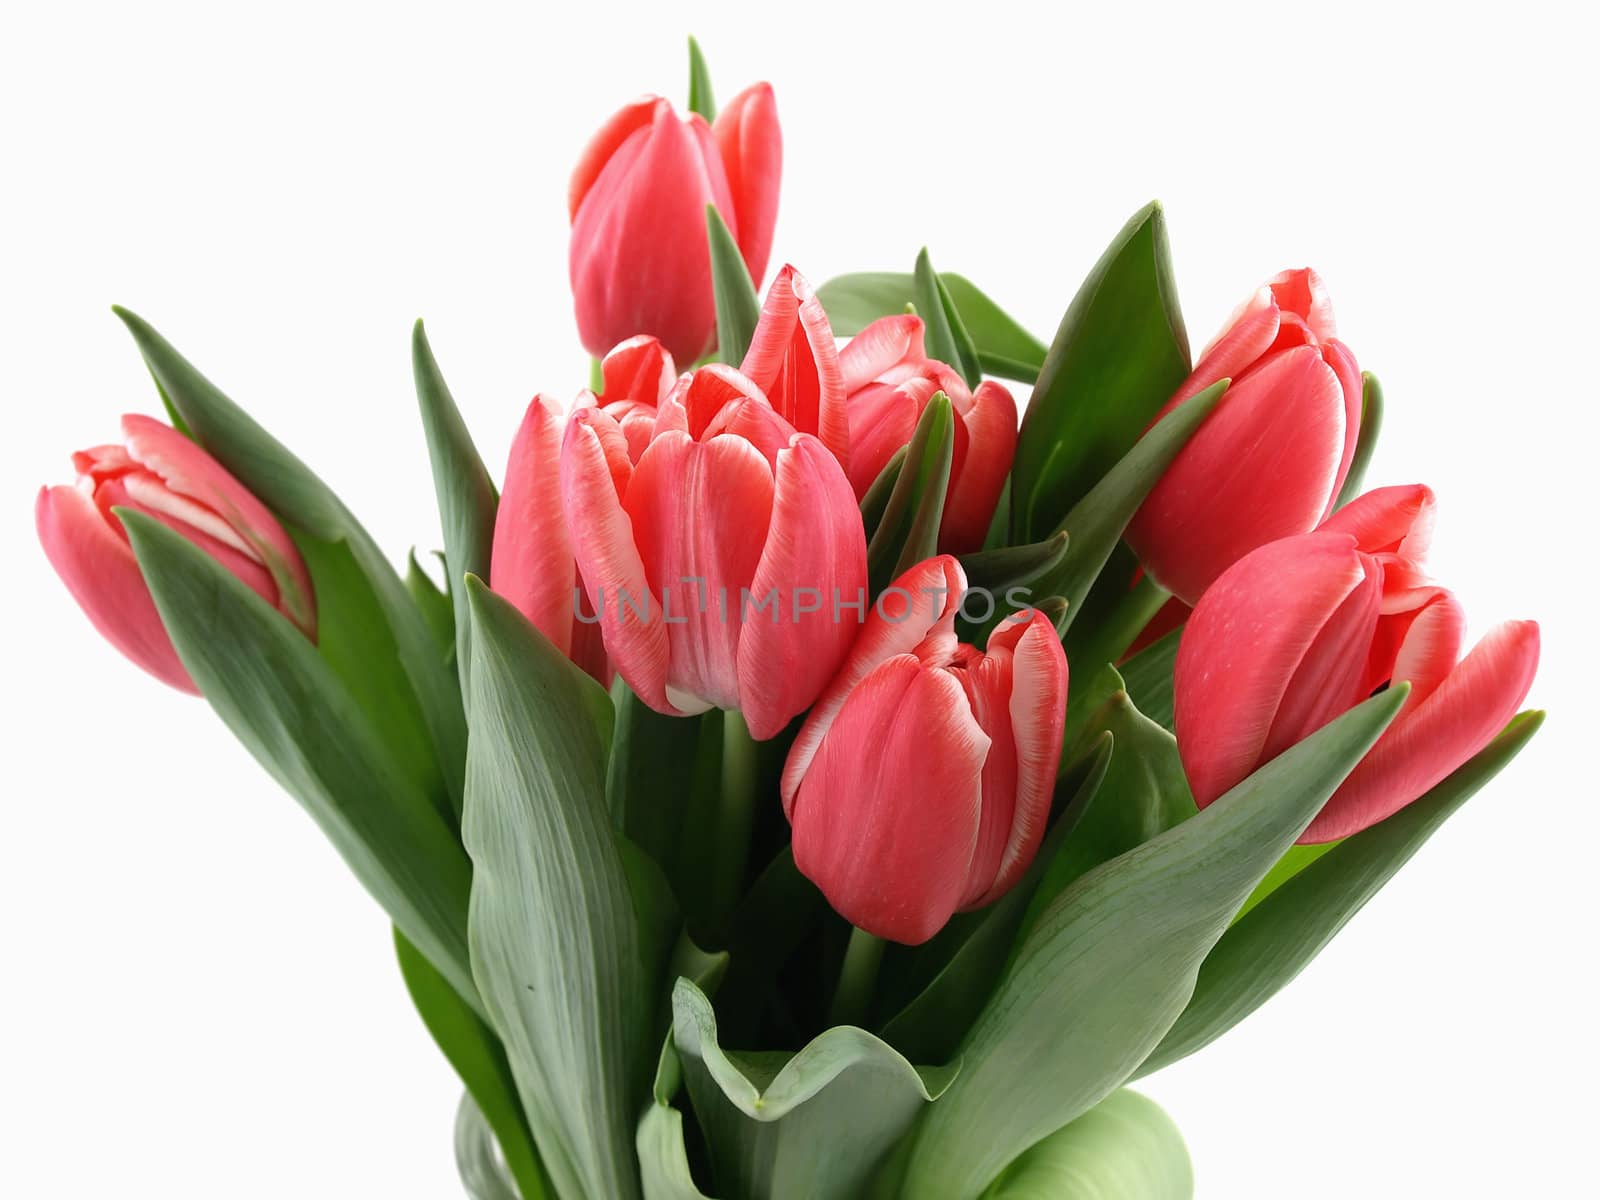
727, 567
639, 260
794, 360
637, 375
531, 562
162, 474
920, 784
889, 380
1271, 460
1302, 629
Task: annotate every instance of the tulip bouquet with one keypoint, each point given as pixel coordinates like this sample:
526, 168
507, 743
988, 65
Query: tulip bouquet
810, 780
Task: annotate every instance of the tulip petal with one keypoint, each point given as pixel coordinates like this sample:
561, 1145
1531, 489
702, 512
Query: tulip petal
1261, 468
605, 143
794, 360
1248, 335
885, 343
751, 145
1389, 520
1427, 742
1430, 649
189, 471
921, 602
1343, 364
887, 818
700, 514
638, 369
989, 418
815, 557
1241, 647
98, 567
608, 560
1033, 668
1302, 292
531, 562
883, 417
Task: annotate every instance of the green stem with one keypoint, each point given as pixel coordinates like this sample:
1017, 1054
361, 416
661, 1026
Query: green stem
857, 979
597, 379
736, 808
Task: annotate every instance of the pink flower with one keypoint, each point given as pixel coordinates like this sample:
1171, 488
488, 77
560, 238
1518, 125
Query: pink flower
794, 360
1302, 629
1271, 460
920, 784
726, 567
639, 260
638, 375
159, 472
888, 380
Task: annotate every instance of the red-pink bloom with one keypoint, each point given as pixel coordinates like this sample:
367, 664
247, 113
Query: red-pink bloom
531, 562
159, 472
637, 375
721, 564
920, 784
794, 360
639, 260
1270, 461
888, 381
1302, 629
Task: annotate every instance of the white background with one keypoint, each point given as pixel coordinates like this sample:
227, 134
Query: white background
198, 1000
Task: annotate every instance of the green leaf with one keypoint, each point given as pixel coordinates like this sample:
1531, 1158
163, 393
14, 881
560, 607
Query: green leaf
1271, 944
1119, 604
477, 1158
434, 604
663, 1156
1124, 1148
908, 532
876, 500
556, 948
1012, 566
1148, 675
1119, 354
466, 494
1096, 522
1144, 793
1004, 347
700, 98
290, 709
1366, 439
738, 305
945, 337
780, 909
809, 1126
475, 1053
288, 487
1112, 961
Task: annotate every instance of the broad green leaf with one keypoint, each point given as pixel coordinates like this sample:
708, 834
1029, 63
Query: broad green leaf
876, 500
1120, 603
1004, 347
1096, 522
1295, 859
466, 494
738, 305
1271, 944
1148, 675
1366, 440
474, 1051
700, 98
1144, 792
809, 1126
483, 1175
1112, 961
969, 955
945, 337
290, 709
663, 1158
1119, 354
556, 949
434, 604
1012, 566
289, 488
781, 908
908, 532
1124, 1148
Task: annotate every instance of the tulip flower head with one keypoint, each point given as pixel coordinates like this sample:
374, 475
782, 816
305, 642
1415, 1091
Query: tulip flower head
639, 259
888, 381
728, 565
1270, 461
920, 784
1304, 628
637, 376
162, 474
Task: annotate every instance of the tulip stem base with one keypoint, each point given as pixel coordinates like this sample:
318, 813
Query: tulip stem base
736, 811
858, 977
